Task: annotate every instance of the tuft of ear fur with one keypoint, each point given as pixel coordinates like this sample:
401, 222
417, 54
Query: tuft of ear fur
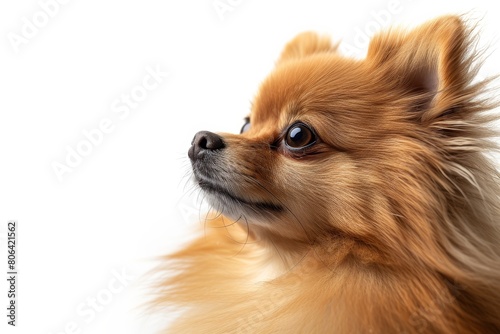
435, 63
306, 44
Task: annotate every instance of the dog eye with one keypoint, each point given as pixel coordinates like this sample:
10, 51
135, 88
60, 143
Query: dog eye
245, 126
299, 136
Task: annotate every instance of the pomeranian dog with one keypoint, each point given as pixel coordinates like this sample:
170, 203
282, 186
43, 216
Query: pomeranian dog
359, 196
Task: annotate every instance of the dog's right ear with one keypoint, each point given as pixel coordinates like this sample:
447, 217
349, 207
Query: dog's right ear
306, 44
434, 64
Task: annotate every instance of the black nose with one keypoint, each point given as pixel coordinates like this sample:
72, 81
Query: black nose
204, 141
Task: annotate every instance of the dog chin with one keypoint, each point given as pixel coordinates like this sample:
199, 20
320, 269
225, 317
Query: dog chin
234, 206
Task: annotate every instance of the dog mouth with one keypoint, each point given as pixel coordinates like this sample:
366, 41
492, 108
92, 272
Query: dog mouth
229, 200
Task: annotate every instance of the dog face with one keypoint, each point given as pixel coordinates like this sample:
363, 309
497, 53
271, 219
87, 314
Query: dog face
340, 145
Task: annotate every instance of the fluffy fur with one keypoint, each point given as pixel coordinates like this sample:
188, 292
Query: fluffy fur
389, 223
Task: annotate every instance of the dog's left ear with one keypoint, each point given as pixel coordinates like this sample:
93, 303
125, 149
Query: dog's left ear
432, 65
305, 44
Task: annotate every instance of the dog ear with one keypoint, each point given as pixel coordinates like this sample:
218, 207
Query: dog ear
433, 63
305, 44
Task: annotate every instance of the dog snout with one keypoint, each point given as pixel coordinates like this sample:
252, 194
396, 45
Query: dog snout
204, 141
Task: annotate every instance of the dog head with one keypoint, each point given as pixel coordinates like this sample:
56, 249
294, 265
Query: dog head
369, 148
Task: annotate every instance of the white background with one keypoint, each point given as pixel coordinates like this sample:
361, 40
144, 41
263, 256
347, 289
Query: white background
130, 199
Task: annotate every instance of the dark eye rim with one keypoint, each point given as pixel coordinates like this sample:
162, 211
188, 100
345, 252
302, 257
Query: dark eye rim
247, 122
301, 148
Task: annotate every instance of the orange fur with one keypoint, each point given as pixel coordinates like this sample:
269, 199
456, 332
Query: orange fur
388, 223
